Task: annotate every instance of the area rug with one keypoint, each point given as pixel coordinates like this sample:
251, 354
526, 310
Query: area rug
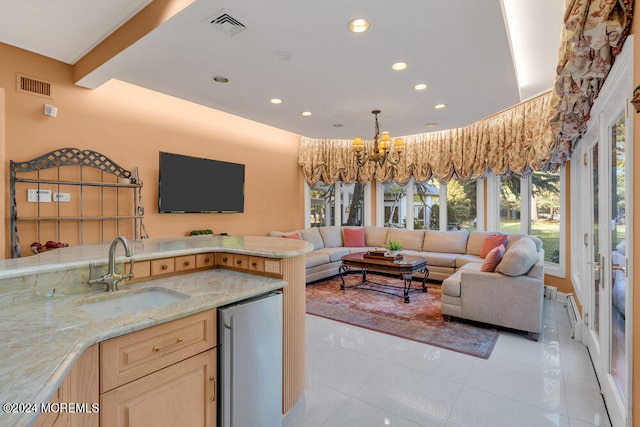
420, 320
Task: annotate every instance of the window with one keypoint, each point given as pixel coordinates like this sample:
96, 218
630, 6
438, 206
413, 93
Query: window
462, 206
535, 206
349, 203
395, 205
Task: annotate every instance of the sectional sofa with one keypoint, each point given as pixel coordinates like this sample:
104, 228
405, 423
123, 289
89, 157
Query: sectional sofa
511, 298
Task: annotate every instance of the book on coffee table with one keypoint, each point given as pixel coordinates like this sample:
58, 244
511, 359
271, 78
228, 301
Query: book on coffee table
382, 254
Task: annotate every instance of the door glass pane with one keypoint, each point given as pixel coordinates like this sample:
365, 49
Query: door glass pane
462, 205
618, 255
395, 206
352, 204
426, 209
545, 213
322, 204
510, 204
595, 256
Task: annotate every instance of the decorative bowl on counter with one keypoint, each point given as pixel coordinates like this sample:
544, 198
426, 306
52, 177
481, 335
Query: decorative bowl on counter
38, 248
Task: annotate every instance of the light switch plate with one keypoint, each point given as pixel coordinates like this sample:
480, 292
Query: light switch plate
61, 197
35, 195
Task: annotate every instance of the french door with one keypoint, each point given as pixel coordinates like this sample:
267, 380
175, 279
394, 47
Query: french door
606, 156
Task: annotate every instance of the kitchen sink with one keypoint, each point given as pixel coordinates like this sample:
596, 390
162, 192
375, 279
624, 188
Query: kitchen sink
119, 305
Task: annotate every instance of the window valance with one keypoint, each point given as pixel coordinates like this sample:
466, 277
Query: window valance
518, 139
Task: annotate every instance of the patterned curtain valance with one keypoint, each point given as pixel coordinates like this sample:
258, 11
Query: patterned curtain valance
518, 140
593, 34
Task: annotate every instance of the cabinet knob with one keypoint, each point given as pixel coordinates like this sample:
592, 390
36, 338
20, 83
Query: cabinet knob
187, 263
224, 259
239, 262
254, 264
164, 266
156, 348
207, 260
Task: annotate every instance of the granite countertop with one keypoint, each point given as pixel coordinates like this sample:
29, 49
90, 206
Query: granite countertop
43, 339
145, 249
44, 331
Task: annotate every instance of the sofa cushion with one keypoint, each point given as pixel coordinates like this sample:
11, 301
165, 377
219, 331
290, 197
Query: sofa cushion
375, 236
475, 241
512, 238
331, 236
314, 259
294, 236
462, 260
492, 240
492, 259
411, 239
435, 258
312, 235
519, 258
353, 237
335, 254
453, 242
451, 285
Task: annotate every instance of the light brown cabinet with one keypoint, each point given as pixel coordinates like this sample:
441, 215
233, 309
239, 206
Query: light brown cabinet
79, 387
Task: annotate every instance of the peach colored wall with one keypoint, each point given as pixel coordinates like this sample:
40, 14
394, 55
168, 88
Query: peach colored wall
3, 168
635, 254
131, 125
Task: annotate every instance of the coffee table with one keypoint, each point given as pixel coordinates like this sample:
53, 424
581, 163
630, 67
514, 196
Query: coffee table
404, 267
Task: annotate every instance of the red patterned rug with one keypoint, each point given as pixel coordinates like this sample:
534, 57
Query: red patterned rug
420, 320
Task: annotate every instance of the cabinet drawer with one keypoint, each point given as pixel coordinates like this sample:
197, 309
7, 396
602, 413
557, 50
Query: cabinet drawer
241, 261
132, 356
205, 260
185, 263
256, 263
141, 269
224, 259
162, 266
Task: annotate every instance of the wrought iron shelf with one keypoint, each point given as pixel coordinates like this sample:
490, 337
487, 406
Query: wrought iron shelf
79, 158
80, 183
77, 218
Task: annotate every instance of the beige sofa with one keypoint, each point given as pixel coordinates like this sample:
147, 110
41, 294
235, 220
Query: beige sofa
452, 257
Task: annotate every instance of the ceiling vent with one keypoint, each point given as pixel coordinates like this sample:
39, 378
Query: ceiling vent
226, 23
34, 86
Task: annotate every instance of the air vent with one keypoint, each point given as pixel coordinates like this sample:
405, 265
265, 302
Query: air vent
34, 86
226, 23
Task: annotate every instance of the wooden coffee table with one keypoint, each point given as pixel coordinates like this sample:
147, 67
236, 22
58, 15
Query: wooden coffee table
404, 267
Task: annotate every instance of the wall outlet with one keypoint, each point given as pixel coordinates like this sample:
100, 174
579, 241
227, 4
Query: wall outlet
272, 266
61, 197
42, 196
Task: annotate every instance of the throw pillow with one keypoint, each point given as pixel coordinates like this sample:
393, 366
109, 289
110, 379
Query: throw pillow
492, 240
295, 236
519, 259
492, 259
353, 237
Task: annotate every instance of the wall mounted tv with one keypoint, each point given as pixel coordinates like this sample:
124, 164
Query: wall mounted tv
196, 185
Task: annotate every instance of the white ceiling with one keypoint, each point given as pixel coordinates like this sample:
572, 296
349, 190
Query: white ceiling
460, 48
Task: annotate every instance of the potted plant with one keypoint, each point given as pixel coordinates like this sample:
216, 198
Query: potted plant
394, 246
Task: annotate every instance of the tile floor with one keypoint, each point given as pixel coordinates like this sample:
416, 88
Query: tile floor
357, 377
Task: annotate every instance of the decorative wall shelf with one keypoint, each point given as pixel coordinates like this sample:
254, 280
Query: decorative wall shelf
29, 172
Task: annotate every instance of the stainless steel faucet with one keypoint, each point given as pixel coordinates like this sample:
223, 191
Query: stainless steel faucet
111, 279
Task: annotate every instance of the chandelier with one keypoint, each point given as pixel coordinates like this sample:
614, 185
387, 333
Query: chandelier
384, 151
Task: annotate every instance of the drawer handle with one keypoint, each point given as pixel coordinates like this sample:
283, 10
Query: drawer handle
207, 260
213, 380
239, 262
157, 348
164, 266
187, 263
224, 259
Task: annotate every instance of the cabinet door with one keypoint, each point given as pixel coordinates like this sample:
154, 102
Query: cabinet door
183, 394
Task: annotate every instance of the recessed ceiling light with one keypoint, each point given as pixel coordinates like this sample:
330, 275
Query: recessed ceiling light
420, 86
359, 25
306, 113
337, 125
431, 125
399, 66
440, 106
275, 101
220, 79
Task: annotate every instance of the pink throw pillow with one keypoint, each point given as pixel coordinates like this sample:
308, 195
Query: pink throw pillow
492, 240
295, 236
353, 237
492, 259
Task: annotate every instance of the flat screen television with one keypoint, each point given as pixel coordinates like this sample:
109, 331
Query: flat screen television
196, 185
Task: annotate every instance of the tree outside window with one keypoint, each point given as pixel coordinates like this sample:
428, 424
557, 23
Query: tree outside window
322, 204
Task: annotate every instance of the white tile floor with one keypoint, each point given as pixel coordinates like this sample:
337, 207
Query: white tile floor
357, 377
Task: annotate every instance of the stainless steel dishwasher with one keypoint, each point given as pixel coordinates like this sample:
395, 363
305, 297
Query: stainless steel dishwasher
250, 362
